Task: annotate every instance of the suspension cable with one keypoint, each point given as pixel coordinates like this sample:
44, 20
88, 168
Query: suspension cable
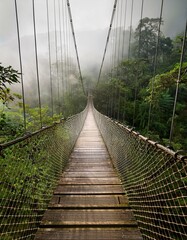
65, 48
130, 34
178, 82
107, 41
21, 66
136, 80
140, 30
123, 49
60, 25
125, 18
49, 51
155, 65
56, 47
119, 49
75, 44
36, 59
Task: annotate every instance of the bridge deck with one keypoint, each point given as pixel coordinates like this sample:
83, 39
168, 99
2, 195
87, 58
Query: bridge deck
89, 202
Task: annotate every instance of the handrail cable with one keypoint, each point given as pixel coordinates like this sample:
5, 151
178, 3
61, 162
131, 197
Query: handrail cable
36, 59
21, 66
155, 65
178, 82
49, 53
107, 41
75, 44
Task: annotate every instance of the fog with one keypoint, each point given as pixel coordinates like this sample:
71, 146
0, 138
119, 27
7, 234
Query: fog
91, 20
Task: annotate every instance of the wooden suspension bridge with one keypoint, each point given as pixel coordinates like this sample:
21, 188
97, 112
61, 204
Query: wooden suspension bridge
89, 201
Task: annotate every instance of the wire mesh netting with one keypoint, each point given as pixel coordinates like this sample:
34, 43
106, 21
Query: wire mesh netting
154, 178
30, 168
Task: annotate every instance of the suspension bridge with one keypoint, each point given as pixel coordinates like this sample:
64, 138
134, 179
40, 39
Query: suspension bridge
90, 176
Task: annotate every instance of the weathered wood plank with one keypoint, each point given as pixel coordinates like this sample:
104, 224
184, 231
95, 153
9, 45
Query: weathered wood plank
89, 174
89, 217
88, 234
88, 189
89, 181
89, 201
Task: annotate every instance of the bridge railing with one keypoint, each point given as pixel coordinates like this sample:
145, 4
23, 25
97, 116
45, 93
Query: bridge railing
29, 171
154, 178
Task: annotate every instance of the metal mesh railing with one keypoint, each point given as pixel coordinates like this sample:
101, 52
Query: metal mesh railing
30, 168
154, 178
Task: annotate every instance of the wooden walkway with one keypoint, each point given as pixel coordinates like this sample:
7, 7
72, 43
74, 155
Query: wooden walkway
89, 202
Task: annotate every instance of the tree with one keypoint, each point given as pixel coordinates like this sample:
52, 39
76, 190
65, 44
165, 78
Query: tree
162, 105
146, 35
8, 76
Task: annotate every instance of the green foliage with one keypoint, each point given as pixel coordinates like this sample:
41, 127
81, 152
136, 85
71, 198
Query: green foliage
125, 94
74, 101
10, 126
145, 44
29, 175
33, 118
8, 76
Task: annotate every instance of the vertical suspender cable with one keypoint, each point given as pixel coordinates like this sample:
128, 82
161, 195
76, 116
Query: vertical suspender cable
125, 16
178, 82
119, 71
67, 50
121, 33
64, 39
136, 82
75, 44
155, 65
130, 34
61, 64
56, 47
140, 30
113, 66
21, 67
107, 41
36, 58
49, 50
69, 56
114, 61
123, 49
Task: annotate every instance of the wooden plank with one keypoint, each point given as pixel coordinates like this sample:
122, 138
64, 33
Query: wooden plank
88, 189
89, 174
90, 169
89, 201
89, 181
89, 234
89, 217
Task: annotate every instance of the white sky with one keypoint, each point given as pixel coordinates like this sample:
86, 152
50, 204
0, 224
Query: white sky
89, 16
